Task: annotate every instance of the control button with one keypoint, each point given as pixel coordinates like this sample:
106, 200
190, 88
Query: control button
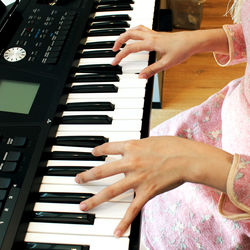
56, 49
3, 194
4, 183
66, 27
18, 141
12, 156
61, 37
71, 13
38, 44
51, 60
9, 166
67, 23
54, 54
57, 43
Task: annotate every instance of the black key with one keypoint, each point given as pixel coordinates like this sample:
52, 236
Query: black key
109, 24
83, 119
116, 1
80, 141
3, 194
48, 246
18, 141
4, 182
66, 155
87, 106
63, 197
117, 7
72, 218
13, 156
99, 53
9, 166
99, 68
96, 78
62, 171
93, 88
106, 32
124, 17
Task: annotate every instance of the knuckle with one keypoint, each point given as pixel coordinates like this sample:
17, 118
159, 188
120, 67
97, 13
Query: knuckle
90, 203
150, 42
128, 48
97, 172
140, 27
134, 209
163, 62
111, 192
129, 145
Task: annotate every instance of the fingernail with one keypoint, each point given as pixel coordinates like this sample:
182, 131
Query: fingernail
113, 62
142, 76
78, 179
118, 233
93, 151
83, 206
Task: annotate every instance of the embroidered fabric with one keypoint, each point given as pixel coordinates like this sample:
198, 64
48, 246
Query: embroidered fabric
188, 216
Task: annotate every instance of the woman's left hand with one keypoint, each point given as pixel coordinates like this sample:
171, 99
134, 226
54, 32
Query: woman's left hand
152, 166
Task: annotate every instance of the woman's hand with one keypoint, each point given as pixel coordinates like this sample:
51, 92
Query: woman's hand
173, 47
152, 166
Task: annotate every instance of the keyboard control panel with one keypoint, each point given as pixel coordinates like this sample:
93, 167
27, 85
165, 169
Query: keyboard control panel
42, 35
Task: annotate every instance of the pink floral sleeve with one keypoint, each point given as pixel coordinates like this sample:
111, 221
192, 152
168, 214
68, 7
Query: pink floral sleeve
236, 204
237, 46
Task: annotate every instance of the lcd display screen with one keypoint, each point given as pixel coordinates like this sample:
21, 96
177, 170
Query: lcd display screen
17, 96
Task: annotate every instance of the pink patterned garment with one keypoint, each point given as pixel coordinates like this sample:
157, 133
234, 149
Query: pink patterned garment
195, 216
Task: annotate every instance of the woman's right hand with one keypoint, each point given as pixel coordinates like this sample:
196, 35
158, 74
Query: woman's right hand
173, 48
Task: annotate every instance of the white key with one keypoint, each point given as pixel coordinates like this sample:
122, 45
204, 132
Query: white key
128, 67
83, 163
117, 125
108, 60
129, 85
68, 180
101, 227
119, 114
112, 210
122, 93
127, 196
71, 149
101, 38
95, 242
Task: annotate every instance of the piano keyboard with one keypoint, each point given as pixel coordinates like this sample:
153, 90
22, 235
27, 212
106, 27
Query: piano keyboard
101, 103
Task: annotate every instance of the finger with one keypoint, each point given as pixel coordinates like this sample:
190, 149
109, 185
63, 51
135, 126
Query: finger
96, 173
131, 48
109, 148
141, 28
130, 215
153, 69
106, 194
129, 34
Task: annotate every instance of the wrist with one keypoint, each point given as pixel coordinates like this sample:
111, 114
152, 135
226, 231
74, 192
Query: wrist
213, 40
211, 169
